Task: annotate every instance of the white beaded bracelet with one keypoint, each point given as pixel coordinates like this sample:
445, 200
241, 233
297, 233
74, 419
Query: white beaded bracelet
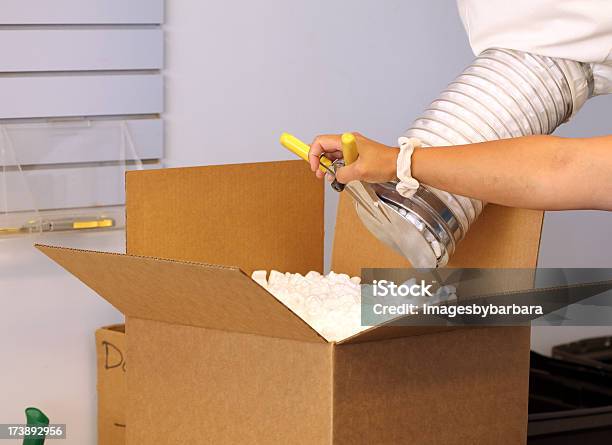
407, 185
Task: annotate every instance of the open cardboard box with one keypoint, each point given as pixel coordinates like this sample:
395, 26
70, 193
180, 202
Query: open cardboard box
214, 358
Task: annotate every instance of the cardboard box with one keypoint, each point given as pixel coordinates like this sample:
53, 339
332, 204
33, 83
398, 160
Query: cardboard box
216, 359
112, 384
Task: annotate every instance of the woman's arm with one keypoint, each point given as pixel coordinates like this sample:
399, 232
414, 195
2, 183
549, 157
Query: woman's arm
537, 172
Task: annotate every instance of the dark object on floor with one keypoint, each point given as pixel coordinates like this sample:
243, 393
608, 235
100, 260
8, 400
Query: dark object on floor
595, 352
570, 398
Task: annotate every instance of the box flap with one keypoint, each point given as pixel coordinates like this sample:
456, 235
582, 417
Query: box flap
389, 331
193, 294
502, 237
550, 298
266, 215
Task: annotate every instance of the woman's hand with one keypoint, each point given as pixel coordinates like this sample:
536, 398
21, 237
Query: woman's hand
376, 162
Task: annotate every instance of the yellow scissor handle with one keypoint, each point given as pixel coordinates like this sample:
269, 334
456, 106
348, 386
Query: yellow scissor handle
300, 148
293, 144
349, 148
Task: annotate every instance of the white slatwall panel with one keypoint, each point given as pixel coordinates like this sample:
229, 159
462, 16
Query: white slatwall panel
70, 71
81, 11
95, 141
68, 187
80, 49
80, 95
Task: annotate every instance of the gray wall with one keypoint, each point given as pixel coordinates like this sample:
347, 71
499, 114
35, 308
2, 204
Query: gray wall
240, 73
47, 321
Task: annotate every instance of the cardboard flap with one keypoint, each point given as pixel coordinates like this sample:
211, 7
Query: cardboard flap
502, 237
390, 331
265, 215
192, 294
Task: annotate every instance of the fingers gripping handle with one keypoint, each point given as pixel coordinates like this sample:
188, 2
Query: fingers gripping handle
349, 152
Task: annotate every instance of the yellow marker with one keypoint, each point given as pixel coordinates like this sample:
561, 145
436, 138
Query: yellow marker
10, 230
107, 222
301, 149
54, 225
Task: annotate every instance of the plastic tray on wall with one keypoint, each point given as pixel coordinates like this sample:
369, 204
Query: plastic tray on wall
69, 174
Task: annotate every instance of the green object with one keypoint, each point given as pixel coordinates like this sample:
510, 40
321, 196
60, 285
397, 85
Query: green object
35, 417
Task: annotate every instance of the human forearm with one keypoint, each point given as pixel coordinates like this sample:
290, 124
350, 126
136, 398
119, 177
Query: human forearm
538, 172
542, 172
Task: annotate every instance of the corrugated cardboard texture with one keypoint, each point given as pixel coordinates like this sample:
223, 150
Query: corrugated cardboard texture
184, 293
466, 386
112, 381
200, 386
390, 331
501, 237
256, 216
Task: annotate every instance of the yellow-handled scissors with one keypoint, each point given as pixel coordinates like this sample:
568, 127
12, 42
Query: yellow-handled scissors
349, 154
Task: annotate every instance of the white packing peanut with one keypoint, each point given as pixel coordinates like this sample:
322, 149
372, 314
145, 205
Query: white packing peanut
329, 303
